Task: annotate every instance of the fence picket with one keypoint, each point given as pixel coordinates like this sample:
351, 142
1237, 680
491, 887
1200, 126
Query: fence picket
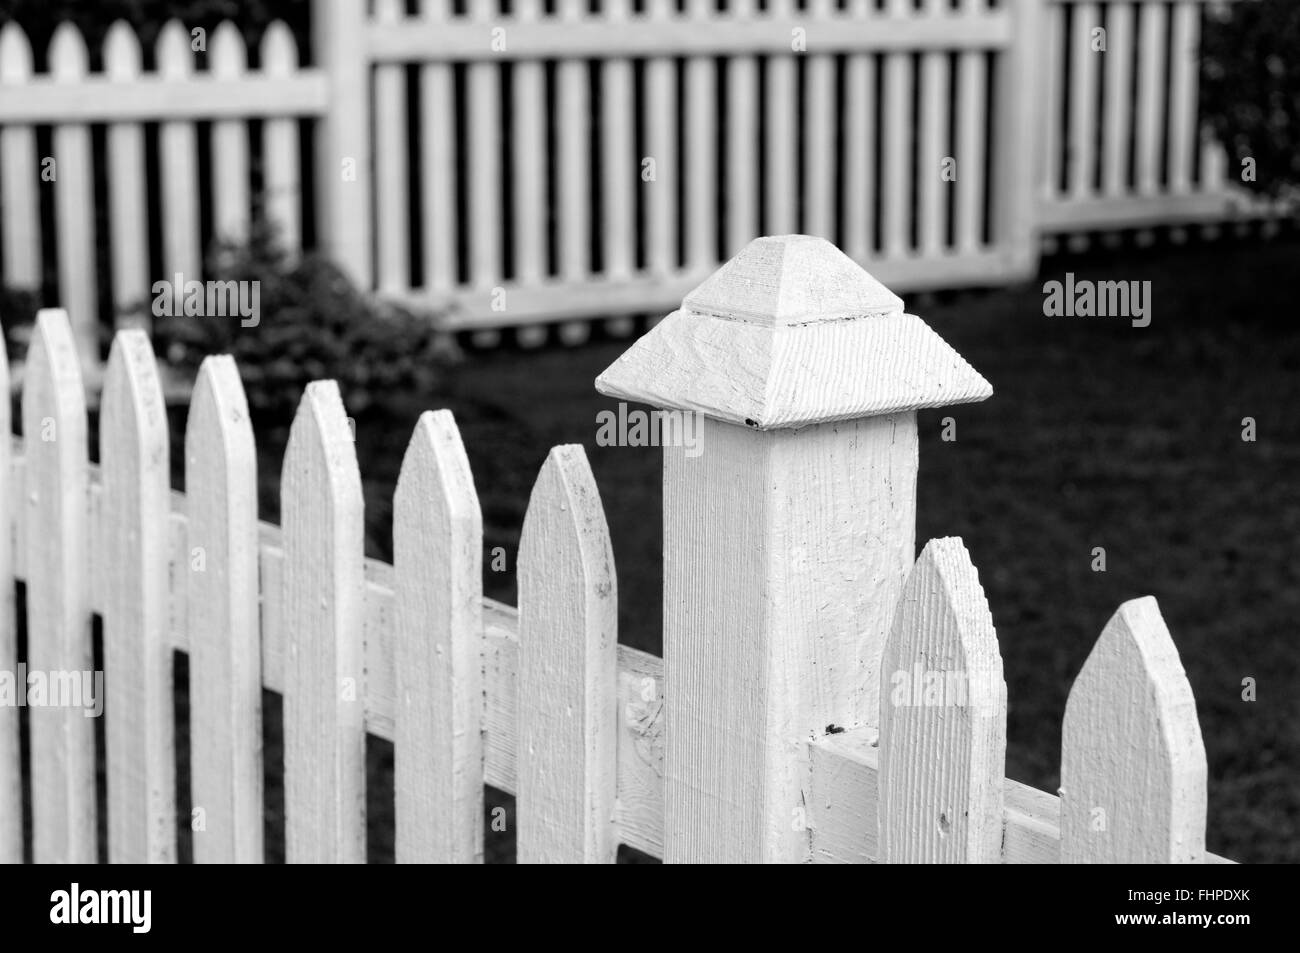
392, 187
568, 618
484, 168
280, 144
1133, 772
859, 153
972, 76
1053, 61
18, 172
573, 157
942, 759
128, 216
437, 556
222, 605
932, 151
178, 164
819, 106
58, 591
438, 164
742, 145
528, 158
895, 154
661, 146
230, 193
700, 153
1151, 88
74, 201
781, 137
11, 778
324, 734
1184, 77
1118, 107
140, 754
620, 165
1083, 98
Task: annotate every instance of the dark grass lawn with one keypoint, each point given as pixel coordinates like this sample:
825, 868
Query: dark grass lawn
1098, 434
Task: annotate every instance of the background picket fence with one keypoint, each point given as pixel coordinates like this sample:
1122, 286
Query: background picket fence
770, 731
457, 157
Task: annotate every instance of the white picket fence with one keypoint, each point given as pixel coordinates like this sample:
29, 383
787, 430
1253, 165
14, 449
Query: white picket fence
574, 164
825, 695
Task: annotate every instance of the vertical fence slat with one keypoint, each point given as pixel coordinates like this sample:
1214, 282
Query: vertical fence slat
392, 189
661, 145
528, 158
484, 98
222, 607
700, 152
1133, 771
74, 201
896, 155
280, 144
971, 79
943, 718
140, 755
438, 166
230, 199
819, 105
1118, 106
1053, 61
1185, 50
933, 148
742, 144
178, 164
128, 217
859, 151
11, 781
620, 166
1151, 88
781, 137
324, 586
1083, 99
438, 555
573, 155
58, 607
568, 617
19, 177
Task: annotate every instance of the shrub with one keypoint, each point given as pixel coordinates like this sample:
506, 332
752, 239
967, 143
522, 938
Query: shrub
1250, 90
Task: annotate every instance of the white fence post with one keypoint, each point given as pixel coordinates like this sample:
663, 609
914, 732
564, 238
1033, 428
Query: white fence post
343, 145
789, 526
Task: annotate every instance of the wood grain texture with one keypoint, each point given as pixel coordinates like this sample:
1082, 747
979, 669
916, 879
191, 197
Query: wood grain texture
943, 718
438, 572
140, 755
220, 568
1133, 772
322, 615
11, 778
58, 610
566, 714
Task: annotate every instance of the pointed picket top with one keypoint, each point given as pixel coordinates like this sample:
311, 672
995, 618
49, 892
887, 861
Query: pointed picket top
567, 709
438, 564
792, 332
122, 55
69, 58
133, 394
15, 54
943, 712
172, 51
53, 362
1133, 770
229, 56
222, 609
279, 51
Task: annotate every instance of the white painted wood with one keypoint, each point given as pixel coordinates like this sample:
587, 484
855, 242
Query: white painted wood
140, 754
661, 145
568, 637
322, 614
280, 145
58, 610
895, 155
1118, 106
1151, 89
392, 188
943, 717
19, 173
178, 165
819, 106
620, 165
528, 158
932, 150
74, 201
11, 777
438, 572
701, 153
574, 159
781, 138
128, 219
231, 204
1085, 67
220, 566
742, 144
1184, 78
484, 168
968, 205
1133, 771
860, 124
1053, 62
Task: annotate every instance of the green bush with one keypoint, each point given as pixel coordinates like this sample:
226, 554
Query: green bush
1250, 90
313, 324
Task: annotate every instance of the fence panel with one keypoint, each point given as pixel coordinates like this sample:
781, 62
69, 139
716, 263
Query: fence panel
568, 676
1133, 770
943, 718
324, 590
221, 576
437, 557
